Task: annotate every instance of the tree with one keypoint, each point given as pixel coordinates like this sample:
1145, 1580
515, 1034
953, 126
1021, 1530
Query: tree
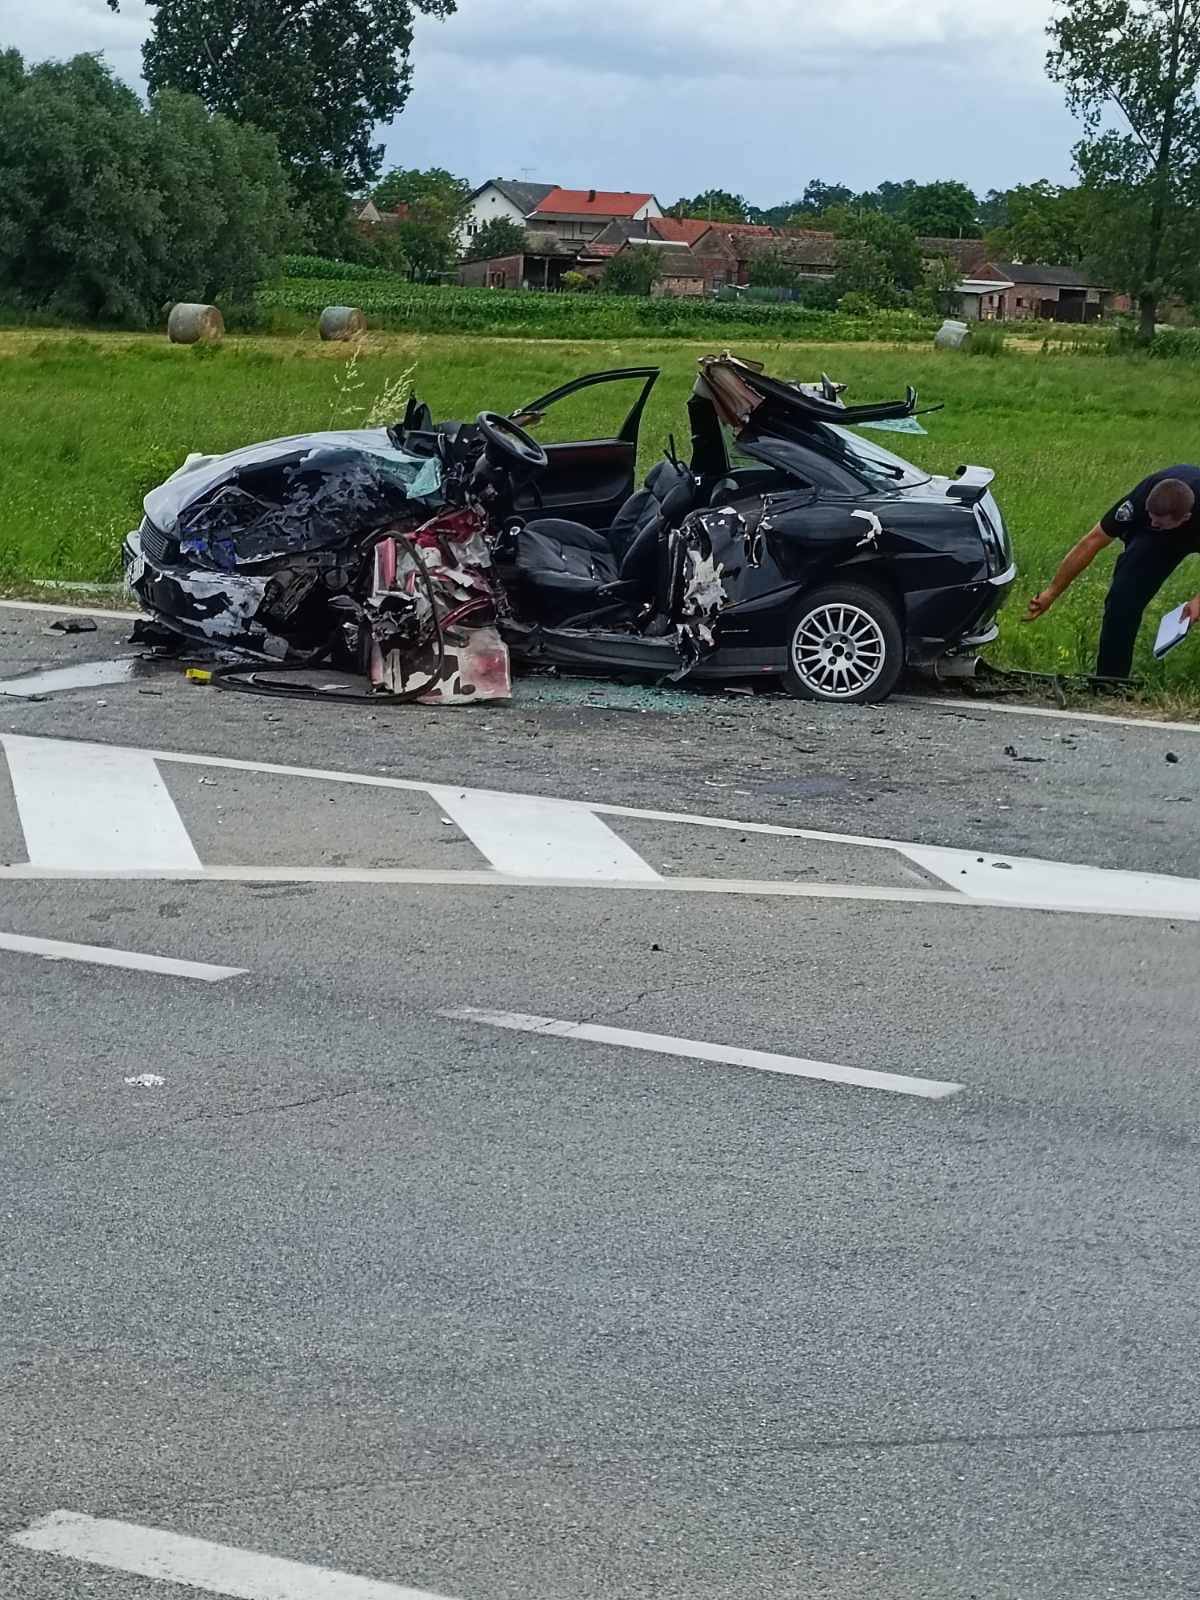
634, 270
819, 197
318, 74
499, 237
774, 216
992, 211
863, 271
108, 209
436, 203
427, 249
892, 198
1140, 58
772, 269
894, 242
434, 195
714, 205
1043, 222
945, 209
937, 293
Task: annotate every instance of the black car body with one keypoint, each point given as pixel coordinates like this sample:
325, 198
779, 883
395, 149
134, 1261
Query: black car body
786, 544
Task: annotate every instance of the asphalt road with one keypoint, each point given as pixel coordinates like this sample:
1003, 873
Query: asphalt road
499, 1314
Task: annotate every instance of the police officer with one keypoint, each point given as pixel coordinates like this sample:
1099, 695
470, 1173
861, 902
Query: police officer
1159, 524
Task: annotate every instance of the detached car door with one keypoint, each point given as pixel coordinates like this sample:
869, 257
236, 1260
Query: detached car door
590, 430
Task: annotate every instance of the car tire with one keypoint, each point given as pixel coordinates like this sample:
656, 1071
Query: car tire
845, 646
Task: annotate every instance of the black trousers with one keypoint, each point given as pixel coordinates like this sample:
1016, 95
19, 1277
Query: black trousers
1144, 565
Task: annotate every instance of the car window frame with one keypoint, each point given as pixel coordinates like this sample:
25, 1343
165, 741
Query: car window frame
630, 429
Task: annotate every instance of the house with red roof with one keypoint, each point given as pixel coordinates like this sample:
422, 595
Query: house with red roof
585, 213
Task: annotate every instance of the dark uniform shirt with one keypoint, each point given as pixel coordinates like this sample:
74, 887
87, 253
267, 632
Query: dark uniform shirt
1129, 517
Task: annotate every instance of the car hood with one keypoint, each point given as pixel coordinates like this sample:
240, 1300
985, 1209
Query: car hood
200, 475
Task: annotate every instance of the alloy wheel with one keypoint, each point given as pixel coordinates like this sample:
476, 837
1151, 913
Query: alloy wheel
838, 651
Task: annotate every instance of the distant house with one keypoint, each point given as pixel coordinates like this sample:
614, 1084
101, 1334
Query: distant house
582, 229
507, 198
367, 219
680, 273
719, 250
983, 294
584, 213
809, 252
1015, 291
1055, 294
540, 265
968, 255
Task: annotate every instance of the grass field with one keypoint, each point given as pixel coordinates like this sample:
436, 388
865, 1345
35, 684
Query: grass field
89, 423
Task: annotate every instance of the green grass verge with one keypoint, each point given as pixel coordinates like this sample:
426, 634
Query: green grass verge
91, 423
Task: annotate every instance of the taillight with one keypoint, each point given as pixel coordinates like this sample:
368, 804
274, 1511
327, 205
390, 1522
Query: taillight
993, 542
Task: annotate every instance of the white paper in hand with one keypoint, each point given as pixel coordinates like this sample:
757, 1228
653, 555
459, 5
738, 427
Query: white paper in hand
1172, 630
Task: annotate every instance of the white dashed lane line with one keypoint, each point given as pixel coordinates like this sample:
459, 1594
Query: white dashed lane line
99, 955
697, 1050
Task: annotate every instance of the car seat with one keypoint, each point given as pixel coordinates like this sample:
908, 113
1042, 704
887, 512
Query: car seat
566, 571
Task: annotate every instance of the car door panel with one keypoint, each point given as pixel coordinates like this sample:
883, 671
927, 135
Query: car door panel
588, 482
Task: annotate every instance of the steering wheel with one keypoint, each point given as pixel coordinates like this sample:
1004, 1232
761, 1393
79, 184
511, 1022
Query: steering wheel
508, 440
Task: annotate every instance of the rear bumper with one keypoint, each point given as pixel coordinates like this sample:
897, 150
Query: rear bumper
947, 621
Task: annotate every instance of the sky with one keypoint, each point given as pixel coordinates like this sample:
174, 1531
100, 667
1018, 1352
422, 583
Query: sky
676, 96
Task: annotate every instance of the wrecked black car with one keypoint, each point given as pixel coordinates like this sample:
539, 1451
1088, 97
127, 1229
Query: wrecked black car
423, 554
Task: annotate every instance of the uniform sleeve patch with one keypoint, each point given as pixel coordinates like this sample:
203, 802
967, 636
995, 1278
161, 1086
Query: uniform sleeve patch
1125, 511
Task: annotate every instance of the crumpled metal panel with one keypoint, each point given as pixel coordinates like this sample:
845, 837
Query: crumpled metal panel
459, 578
735, 401
713, 549
311, 492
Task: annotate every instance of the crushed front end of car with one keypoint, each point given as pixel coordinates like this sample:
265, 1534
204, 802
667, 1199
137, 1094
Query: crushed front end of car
361, 547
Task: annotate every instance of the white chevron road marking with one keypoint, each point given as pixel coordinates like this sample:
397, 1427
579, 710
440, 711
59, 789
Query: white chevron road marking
94, 805
542, 838
197, 1563
97, 810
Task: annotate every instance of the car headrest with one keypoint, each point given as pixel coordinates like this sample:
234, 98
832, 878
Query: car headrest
665, 476
680, 499
723, 492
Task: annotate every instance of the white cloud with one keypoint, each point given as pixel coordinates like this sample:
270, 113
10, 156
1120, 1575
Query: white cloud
755, 38
675, 95
55, 29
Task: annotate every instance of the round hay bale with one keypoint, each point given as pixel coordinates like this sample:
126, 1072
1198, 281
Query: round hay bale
342, 322
952, 335
195, 324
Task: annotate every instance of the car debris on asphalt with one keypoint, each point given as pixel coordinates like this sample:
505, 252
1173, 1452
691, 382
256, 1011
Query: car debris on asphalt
72, 625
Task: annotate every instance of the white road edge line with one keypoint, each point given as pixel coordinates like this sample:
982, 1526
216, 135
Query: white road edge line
198, 1563
696, 1050
98, 955
1146, 724
771, 888
69, 611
